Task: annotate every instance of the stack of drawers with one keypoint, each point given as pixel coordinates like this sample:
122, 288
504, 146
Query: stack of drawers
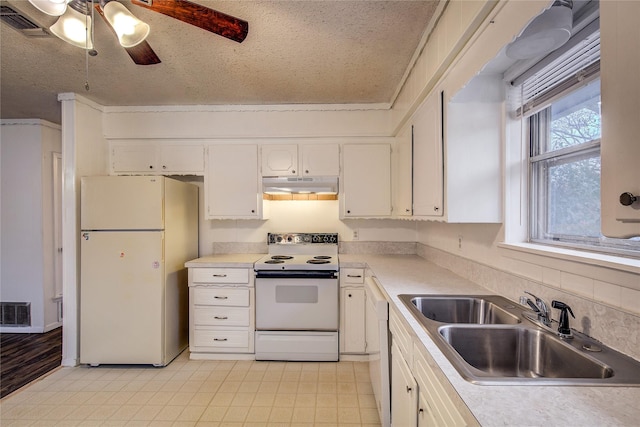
221, 314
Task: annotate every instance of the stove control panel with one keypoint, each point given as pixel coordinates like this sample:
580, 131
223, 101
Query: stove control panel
301, 238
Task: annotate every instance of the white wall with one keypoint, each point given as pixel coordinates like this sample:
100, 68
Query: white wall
84, 152
27, 272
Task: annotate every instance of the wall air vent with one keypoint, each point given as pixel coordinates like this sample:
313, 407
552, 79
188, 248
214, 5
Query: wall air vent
15, 313
20, 22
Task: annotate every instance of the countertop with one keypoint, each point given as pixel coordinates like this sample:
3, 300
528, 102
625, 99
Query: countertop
491, 405
225, 261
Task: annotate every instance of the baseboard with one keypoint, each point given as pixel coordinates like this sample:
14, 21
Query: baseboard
21, 330
52, 326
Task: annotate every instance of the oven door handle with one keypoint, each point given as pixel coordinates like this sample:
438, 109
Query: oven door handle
296, 274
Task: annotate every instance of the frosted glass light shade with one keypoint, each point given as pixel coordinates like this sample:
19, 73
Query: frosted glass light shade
50, 7
544, 34
73, 27
129, 29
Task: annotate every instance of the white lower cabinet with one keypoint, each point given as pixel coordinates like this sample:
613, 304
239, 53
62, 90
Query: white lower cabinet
221, 312
352, 311
404, 391
418, 397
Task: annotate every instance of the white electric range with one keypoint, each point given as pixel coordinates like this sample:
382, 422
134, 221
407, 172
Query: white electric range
297, 298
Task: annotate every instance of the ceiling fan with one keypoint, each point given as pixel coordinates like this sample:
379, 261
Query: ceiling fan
74, 25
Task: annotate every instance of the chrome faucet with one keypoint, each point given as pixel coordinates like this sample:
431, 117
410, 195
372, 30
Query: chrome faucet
540, 307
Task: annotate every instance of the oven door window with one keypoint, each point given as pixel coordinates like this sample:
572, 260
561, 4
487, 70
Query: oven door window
296, 294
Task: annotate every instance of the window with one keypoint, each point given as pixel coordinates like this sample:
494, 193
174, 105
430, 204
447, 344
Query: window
564, 171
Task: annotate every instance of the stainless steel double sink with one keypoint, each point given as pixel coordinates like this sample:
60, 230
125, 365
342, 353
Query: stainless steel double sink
490, 339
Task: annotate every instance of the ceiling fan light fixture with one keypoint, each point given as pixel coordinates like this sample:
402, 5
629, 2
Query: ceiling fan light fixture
545, 33
129, 29
73, 27
51, 7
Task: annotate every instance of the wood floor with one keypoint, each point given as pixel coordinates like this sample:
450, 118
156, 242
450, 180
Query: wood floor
26, 357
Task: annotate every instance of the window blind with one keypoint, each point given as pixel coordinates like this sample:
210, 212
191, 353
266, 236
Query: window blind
577, 65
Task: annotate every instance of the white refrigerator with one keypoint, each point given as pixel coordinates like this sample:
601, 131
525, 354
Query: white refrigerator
137, 233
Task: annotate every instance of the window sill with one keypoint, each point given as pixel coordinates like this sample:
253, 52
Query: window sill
629, 265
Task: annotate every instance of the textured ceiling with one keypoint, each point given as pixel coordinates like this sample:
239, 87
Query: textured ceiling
296, 52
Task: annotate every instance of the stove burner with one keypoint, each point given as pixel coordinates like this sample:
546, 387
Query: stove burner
281, 257
318, 261
274, 261
322, 257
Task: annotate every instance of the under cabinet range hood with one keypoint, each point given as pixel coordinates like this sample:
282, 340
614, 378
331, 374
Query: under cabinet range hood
300, 185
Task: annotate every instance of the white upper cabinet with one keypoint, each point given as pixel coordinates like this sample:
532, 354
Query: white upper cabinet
456, 154
232, 189
402, 174
366, 181
279, 160
149, 158
620, 92
320, 160
300, 160
427, 158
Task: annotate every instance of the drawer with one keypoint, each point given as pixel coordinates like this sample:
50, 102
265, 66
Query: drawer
221, 338
220, 275
220, 316
220, 296
351, 275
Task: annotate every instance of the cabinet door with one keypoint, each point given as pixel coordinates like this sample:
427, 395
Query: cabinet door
279, 160
231, 183
404, 392
352, 330
366, 186
320, 159
425, 412
427, 157
620, 89
181, 159
402, 173
134, 158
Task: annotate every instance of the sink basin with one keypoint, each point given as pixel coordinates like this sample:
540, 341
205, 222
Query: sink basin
521, 352
460, 309
493, 341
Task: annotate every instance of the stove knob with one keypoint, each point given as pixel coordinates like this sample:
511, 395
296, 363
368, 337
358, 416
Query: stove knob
279, 238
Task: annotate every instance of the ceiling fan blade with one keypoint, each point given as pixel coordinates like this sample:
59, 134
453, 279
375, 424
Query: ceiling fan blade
208, 19
142, 54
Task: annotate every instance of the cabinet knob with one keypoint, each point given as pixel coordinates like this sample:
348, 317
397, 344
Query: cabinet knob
409, 389
292, 171
253, 211
307, 171
348, 211
150, 166
627, 199
164, 166
407, 210
436, 208
420, 411
349, 295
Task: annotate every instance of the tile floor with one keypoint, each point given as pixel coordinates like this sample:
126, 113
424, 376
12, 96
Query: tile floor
198, 393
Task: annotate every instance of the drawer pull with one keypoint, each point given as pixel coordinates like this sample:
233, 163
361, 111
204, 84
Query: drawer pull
219, 275
220, 317
220, 339
357, 276
219, 297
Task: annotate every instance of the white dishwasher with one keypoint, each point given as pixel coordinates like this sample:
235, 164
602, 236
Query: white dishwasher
377, 330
